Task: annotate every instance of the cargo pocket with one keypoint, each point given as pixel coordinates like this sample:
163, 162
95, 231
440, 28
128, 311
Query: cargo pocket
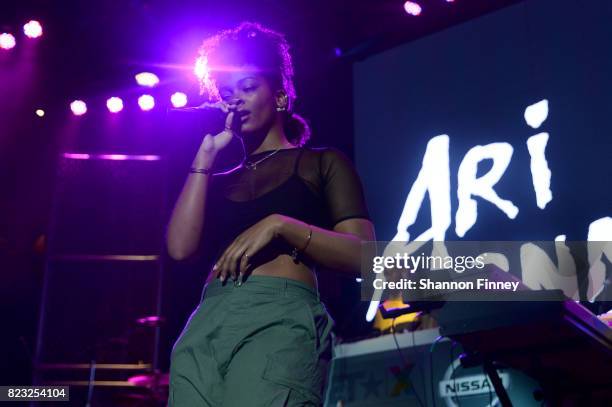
321, 325
297, 377
311, 322
295, 365
324, 324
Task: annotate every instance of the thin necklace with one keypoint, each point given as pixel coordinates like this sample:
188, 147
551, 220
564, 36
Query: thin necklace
253, 166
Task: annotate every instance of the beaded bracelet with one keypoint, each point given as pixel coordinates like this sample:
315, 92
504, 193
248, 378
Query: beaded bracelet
201, 170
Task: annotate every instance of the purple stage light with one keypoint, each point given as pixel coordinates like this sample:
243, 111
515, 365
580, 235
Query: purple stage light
178, 99
126, 157
114, 104
77, 156
201, 68
7, 41
113, 156
412, 8
145, 157
147, 79
146, 102
32, 29
78, 107
136, 157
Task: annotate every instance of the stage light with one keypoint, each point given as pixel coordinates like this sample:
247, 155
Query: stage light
40, 112
7, 41
201, 68
146, 102
146, 157
178, 99
77, 156
127, 157
78, 107
81, 156
147, 79
412, 8
113, 156
32, 29
114, 104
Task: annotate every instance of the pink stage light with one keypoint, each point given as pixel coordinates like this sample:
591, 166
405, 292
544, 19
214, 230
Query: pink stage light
114, 104
178, 99
127, 157
82, 156
201, 68
146, 102
78, 107
77, 156
147, 79
113, 156
7, 41
412, 8
146, 157
32, 29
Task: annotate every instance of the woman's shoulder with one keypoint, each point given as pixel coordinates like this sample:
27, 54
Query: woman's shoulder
328, 157
327, 153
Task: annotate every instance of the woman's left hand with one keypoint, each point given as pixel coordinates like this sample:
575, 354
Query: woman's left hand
234, 261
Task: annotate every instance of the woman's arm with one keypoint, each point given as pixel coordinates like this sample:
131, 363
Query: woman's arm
338, 249
187, 219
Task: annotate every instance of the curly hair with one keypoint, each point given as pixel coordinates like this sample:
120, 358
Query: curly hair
252, 44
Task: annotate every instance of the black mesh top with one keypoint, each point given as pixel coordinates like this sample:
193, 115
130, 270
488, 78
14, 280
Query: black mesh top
318, 186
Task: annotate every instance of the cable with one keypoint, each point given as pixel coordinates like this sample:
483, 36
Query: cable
488, 385
422, 373
404, 359
452, 348
90, 383
244, 158
431, 369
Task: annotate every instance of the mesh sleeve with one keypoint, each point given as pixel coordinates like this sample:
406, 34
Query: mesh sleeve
342, 187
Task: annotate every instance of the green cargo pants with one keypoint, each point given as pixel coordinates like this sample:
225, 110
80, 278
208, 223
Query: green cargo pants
265, 343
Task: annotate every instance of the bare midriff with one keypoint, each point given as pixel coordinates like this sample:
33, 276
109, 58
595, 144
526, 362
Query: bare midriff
283, 266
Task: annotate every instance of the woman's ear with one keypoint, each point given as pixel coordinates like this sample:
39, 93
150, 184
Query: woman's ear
281, 100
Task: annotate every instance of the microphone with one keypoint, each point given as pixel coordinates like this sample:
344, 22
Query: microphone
206, 118
204, 107
210, 116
